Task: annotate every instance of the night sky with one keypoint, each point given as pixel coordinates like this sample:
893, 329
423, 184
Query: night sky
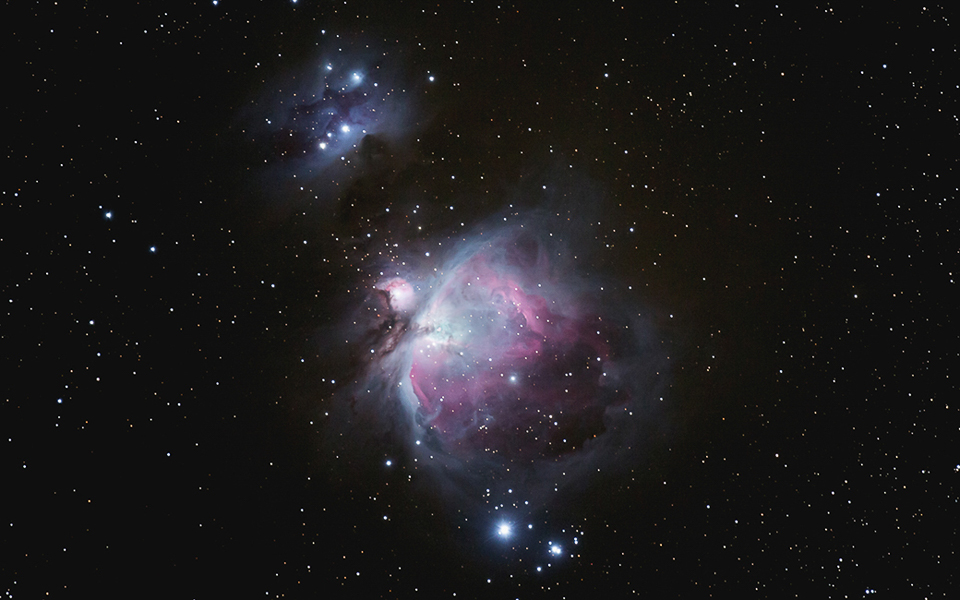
479, 300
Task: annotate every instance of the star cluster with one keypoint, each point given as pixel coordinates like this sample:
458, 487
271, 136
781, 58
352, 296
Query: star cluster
347, 104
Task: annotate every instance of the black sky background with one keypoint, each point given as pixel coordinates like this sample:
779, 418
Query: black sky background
790, 176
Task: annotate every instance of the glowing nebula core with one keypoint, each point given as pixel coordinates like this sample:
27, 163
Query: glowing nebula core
401, 294
498, 366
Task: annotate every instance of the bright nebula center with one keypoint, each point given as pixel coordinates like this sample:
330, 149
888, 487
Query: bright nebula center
401, 294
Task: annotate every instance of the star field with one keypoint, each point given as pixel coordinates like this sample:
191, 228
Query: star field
479, 300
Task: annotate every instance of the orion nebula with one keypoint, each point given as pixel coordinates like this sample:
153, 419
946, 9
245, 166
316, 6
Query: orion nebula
508, 368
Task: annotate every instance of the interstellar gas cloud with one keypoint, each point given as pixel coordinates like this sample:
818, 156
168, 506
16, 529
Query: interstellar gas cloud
509, 372
496, 360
